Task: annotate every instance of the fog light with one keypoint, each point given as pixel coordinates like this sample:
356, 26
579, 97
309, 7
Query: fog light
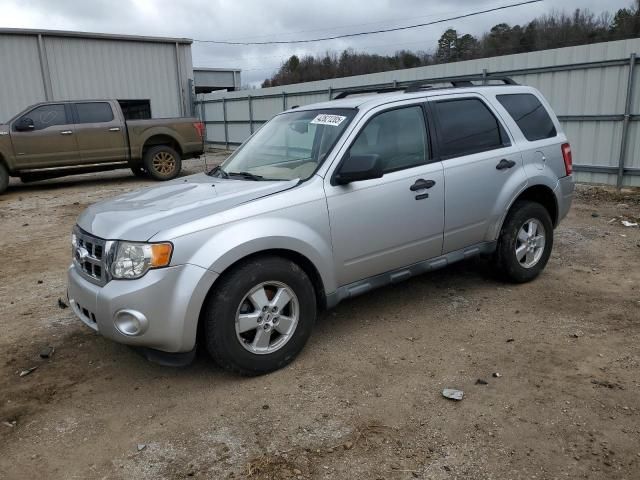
130, 322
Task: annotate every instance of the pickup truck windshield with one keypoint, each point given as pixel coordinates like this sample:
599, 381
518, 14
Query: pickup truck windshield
291, 145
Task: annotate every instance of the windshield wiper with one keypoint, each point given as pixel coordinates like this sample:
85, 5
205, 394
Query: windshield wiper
247, 175
219, 171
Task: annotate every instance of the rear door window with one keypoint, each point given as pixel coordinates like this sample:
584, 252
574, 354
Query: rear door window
94, 112
467, 126
530, 115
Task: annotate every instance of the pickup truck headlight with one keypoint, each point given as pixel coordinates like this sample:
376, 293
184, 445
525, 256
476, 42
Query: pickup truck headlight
133, 260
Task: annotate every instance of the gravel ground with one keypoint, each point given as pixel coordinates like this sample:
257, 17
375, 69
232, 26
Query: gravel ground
560, 357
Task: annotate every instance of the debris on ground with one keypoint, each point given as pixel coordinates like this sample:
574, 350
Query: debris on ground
141, 446
627, 223
61, 304
509, 340
481, 382
595, 214
497, 375
47, 352
9, 424
452, 394
26, 372
607, 384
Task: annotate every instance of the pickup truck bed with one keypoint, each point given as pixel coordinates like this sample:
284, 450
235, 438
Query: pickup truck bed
56, 139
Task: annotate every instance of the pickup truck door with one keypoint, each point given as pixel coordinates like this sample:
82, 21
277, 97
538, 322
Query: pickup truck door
50, 140
101, 133
387, 223
482, 168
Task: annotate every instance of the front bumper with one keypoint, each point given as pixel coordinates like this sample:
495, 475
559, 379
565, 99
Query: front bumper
170, 298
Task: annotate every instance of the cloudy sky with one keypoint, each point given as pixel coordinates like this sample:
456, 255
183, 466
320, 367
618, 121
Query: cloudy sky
260, 20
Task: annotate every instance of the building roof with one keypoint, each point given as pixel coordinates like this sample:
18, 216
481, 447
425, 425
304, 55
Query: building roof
207, 69
99, 36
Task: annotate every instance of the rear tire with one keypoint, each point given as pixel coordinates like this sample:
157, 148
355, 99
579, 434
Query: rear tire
525, 242
260, 316
4, 178
162, 162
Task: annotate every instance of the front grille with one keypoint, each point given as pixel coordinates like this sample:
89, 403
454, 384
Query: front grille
89, 257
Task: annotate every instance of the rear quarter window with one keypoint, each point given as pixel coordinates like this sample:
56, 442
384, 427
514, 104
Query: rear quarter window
467, 126
529, 114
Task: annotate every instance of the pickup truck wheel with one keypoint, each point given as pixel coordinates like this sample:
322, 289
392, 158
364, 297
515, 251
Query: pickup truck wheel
260, 316
4, 178
525, 242
162, 162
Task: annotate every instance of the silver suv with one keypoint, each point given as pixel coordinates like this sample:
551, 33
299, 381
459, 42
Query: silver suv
323, 203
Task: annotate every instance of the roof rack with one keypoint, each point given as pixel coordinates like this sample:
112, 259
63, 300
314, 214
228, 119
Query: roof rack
360, 91
458, 82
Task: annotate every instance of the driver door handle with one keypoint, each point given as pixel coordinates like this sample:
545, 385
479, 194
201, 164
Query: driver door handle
422, 184
66, 132
504, 164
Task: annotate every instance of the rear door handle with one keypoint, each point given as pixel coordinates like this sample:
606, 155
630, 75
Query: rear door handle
114, 129
421, 184
504, 164
66, 132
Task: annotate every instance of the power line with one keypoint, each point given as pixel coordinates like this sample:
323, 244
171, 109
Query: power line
372, 32
339, 27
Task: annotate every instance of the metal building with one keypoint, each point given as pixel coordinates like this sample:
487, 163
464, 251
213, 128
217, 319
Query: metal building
152, 73
208, 80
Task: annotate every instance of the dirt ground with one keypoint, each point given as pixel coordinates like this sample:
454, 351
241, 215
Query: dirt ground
561, 358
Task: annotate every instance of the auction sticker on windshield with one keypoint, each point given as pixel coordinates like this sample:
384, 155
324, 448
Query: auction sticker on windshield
325, 119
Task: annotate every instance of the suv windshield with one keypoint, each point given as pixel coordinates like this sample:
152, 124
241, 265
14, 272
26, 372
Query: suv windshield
292, 145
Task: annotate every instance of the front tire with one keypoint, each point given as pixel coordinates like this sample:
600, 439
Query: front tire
260, 316
4, 178
525, 242
162, 162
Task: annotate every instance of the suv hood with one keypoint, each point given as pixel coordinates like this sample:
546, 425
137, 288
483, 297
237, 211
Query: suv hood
139, 215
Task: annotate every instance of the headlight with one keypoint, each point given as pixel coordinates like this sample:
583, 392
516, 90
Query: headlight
133, 260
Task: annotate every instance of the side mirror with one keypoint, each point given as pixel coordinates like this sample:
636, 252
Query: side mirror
25, 124
359, 167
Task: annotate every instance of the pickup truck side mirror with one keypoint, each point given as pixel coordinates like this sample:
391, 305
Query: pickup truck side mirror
359, 167
25, 124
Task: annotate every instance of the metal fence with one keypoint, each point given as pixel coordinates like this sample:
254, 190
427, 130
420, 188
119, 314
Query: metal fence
592, 88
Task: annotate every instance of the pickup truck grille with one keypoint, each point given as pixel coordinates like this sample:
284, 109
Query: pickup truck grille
89, 257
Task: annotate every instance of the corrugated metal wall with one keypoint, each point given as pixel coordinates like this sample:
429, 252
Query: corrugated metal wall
75, 67
586, 85
21, 82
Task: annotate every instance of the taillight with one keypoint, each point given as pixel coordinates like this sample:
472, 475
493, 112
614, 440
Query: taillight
199, 126
568, 160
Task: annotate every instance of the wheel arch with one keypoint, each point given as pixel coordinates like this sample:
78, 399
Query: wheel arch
161, 139
544, 196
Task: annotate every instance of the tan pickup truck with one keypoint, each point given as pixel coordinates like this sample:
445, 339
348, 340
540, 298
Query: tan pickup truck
56, 139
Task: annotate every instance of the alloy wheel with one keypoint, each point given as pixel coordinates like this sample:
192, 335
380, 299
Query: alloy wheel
267, 317
530, 243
